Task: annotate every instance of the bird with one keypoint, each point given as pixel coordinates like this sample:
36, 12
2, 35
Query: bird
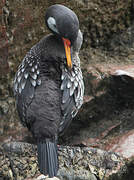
48, 85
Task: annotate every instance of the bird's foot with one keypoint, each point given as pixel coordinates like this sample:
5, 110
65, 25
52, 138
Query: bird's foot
43, 177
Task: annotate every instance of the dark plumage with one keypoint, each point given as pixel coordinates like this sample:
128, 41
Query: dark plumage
48, 85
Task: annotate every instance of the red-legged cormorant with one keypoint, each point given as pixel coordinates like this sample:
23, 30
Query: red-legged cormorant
48, 85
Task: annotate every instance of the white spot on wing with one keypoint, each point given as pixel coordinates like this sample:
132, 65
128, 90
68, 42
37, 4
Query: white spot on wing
19, 78
31, 64
32, 69
38, 72
69, 84
23, 84
33, 82
36, 66
26, 75
39, 82
34, 76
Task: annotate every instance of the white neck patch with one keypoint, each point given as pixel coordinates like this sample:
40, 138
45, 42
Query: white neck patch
52, 24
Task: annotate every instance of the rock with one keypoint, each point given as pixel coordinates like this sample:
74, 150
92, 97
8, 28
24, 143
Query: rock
54, 178
71, 175
74, 162
123, 144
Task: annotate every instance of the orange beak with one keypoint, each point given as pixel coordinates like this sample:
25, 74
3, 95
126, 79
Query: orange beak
67, 45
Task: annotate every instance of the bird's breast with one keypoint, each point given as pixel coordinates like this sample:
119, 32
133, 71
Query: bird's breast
50, 69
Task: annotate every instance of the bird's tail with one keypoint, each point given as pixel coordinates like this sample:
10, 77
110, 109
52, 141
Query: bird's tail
47, 158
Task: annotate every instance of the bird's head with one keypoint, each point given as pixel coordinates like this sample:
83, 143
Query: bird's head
63, 22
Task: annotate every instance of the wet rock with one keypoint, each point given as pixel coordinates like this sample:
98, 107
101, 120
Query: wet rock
123, 144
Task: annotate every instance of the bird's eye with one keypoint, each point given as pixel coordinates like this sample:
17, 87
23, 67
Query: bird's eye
52, 24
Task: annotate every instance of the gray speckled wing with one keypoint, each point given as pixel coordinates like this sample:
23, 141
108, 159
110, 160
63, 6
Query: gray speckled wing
28, 70
26, 79
72, 87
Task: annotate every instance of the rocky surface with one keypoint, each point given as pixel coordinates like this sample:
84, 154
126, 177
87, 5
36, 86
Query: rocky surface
107, 57
18, 161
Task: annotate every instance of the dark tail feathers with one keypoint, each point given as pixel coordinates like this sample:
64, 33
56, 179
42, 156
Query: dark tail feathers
47, 158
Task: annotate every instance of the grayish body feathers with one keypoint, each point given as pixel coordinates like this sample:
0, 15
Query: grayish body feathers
48, 96
28, 77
